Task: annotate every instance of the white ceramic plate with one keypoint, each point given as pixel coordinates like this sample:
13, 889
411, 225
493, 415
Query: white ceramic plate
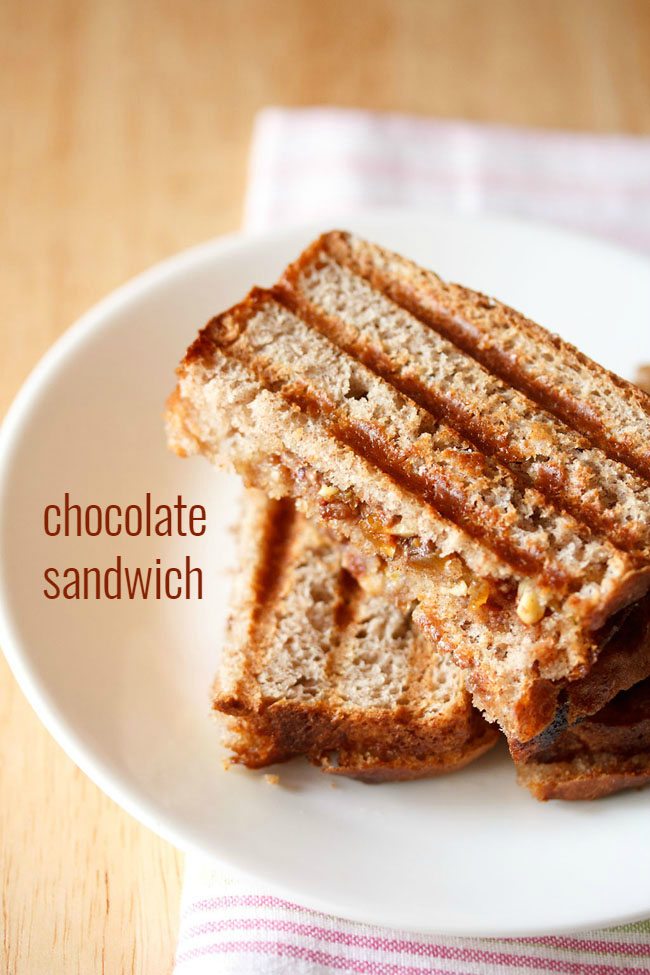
123, 686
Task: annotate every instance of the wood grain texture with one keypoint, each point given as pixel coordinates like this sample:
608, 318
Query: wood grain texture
124, 127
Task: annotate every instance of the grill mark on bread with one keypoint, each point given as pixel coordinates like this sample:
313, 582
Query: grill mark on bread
277, 535
370, 446
348, 595
457, 313
539, 450
346, 602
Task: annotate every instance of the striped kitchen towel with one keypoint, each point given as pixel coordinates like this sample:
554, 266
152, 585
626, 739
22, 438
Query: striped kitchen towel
306, 163
232, 926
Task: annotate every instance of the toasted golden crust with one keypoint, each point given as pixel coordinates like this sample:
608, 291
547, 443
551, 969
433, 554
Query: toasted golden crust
585, 778
263, 456
373, 747
378, 767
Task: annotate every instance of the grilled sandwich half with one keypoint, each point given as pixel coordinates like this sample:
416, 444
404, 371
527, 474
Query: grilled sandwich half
485, 471
315, 666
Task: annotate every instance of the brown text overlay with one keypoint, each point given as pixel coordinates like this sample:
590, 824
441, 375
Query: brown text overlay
120, 580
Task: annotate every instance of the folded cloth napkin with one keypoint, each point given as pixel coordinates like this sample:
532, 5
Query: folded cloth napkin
306, 163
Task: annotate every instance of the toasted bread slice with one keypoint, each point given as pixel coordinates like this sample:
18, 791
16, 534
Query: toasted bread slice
331, 390
603, 754
339, 278
315, 666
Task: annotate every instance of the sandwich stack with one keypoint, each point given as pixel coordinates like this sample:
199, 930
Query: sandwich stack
458, 521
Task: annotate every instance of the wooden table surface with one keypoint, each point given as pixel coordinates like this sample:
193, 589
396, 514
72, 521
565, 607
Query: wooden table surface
124, 131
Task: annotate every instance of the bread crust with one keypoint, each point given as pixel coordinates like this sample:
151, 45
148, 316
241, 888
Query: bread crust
379, 747
585, 779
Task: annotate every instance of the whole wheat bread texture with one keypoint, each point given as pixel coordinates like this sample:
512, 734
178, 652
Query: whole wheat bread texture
603, 754
520, 532
315, 666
